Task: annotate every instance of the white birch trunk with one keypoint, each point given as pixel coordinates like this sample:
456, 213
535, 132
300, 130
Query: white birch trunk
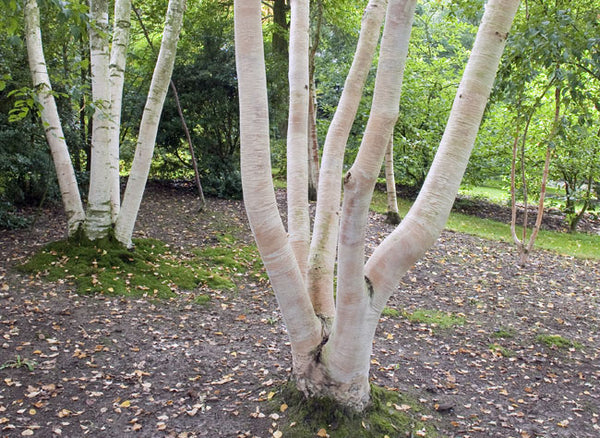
336, 362
149, 124
325, 231
118, 57
393, 217
297, 134
426, 219
49, 114
346, 355
98, 218
304, 328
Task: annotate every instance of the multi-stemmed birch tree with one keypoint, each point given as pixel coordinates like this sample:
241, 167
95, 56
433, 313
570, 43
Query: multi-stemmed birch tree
331, 333
104, 211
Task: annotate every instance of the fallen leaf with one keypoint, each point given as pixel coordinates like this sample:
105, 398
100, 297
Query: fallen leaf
322, 433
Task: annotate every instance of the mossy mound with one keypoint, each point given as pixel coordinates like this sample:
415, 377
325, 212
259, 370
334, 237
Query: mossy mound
391, 414
151, 269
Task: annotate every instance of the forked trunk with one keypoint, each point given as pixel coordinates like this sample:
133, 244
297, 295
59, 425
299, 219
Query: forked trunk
331, 345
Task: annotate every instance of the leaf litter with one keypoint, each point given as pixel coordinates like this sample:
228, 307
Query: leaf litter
109, 366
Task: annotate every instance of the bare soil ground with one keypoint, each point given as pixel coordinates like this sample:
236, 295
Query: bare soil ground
112, 367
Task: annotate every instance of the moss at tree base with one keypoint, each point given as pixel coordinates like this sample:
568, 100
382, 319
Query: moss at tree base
390, 414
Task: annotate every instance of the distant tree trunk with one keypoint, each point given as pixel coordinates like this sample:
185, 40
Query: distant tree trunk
98, 216
392, 215
184, 125
188, 137
525, 246
51, 121
149, 124
279, 39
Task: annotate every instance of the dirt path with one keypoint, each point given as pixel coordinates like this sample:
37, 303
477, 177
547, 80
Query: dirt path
111, 367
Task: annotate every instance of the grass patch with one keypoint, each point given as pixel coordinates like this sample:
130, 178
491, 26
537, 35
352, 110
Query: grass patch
557, 341
107, 267
504, 333
500, 350
435, 318
150, 270
579, 245
230, 258
391, 414
493, 194
202, 299
390, 313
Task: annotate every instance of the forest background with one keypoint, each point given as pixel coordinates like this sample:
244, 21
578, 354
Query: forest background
546, 98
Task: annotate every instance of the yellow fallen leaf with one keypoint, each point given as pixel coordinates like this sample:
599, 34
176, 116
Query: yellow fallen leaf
125, 404
283, 407
322, 433
161, 426
270, 395
64, 413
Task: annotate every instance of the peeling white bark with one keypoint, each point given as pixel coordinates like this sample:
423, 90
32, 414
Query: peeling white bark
49, 114
149, 124
98, 216
304, 328
297, 135
118, 58
325, 231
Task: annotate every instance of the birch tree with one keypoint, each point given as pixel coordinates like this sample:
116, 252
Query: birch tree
108, 58
331, 334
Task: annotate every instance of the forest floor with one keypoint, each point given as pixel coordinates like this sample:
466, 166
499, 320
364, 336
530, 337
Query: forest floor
116, 367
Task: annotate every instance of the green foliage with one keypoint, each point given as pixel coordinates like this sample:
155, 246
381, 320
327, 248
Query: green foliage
391, 414
557, 341
19, 362
9, 219
439, 47
205, 77
435, 318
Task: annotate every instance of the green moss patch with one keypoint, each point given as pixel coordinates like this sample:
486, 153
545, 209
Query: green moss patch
151, 269
391, 414
390, 312
435, 318
105, 266
557, 341
504, 333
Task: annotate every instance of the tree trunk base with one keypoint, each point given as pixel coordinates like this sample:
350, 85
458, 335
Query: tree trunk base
315, 381
392, 217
